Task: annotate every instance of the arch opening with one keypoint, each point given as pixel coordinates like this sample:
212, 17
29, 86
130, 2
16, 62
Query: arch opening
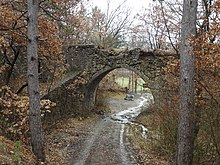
127, 80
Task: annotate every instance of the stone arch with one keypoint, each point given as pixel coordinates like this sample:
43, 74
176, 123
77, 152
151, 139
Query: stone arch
89, 65
92, 85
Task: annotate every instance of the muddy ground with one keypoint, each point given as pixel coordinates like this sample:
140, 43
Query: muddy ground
97, 140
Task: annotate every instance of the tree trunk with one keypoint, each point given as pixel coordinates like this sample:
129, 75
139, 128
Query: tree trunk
33, 82
186, 135
12, 64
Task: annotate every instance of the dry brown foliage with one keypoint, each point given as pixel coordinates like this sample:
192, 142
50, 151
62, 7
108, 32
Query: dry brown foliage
14, 114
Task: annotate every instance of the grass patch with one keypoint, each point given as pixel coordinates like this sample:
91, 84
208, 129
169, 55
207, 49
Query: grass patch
143, 148
15, 153
147, 150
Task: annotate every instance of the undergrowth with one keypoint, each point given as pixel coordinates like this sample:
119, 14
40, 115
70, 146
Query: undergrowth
162, 122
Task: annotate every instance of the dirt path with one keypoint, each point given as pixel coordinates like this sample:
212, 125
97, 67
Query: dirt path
106, 143
104, 146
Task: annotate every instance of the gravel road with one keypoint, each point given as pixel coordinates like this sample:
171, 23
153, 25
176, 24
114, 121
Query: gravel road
106, 142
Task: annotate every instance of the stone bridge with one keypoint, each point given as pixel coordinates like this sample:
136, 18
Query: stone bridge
88, 65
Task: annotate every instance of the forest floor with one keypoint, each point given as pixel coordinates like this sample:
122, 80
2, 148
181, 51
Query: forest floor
15, 153
99, 140
90, 141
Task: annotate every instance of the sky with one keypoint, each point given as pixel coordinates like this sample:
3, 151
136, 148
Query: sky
134, 5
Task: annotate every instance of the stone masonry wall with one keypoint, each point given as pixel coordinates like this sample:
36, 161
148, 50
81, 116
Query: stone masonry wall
77, 95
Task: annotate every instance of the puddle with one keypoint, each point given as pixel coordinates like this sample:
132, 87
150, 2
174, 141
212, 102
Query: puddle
128, 116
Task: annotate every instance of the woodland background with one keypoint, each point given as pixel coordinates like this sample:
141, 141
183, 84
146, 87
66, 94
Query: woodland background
66, 22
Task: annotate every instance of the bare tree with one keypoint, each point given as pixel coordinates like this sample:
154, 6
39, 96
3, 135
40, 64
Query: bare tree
161, 25
186, 128
33, 81
108, 28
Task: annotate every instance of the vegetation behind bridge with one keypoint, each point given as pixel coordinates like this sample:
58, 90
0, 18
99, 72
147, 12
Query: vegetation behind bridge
69, 22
